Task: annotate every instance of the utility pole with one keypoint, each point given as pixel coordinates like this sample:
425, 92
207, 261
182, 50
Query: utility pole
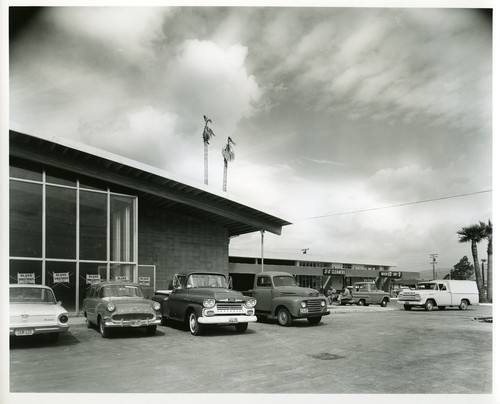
434, 262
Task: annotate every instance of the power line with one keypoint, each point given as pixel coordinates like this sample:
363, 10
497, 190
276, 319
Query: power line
397, 205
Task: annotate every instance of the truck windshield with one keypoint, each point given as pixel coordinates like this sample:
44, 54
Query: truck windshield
428, 286
206, 281
284, 281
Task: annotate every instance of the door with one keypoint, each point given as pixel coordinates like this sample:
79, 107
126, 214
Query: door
263, 292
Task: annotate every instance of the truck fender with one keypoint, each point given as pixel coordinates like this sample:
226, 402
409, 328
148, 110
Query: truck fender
190, 307
291, 305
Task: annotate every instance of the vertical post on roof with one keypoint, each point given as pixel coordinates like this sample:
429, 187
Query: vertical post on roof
262, 249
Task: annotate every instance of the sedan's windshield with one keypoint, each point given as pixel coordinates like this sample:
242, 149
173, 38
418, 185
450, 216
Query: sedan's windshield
121, 291
284, 281
206, 281
31, 295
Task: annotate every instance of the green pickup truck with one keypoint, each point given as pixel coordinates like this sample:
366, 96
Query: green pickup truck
279, 296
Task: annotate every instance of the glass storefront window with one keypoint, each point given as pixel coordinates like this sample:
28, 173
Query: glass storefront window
93, 226
122, 272
122, 228
25, 271
25, 224
61, 277
89, 273
25, 170
60, 222
60, 177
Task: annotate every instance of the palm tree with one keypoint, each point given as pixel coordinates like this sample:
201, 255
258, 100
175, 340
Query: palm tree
474, 234
488, 234
228, 154
207, 135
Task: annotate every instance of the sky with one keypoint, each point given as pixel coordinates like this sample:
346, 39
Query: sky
370, 129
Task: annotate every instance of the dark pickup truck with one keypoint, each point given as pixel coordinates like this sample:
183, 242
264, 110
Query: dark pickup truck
201, 299
279, 296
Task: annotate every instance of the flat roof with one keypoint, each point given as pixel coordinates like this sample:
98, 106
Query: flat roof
292, 256
155, 186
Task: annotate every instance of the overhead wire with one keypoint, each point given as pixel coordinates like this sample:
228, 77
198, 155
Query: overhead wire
397, 205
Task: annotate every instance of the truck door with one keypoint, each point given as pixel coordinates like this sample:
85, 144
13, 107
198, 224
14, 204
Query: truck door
444, 298
263, 293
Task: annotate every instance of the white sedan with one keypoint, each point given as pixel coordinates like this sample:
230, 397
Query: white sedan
34, 310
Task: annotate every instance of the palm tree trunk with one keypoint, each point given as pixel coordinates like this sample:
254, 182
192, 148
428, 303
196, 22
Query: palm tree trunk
477, 270
489, 295
206, 162
224, 182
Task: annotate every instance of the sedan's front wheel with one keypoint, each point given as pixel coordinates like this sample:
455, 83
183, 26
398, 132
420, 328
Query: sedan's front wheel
241, 327
105, 331
151, 330
194, 326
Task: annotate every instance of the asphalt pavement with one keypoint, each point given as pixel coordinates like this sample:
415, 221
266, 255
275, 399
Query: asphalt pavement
354, 350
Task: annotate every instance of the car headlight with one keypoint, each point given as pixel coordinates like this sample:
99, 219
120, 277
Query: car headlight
156, 306
208, 303
251, 302
303, 305
111, 307
323, 303
63, 318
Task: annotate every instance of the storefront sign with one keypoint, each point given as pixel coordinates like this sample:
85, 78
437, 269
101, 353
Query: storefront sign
62, 277
333, 271
121, 278
26, 278
391, 274
144, 281
93, 278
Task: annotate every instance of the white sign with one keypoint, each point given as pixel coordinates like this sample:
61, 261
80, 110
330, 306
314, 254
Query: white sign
144, 281
26, 278
121, 278
93, 278
62, 277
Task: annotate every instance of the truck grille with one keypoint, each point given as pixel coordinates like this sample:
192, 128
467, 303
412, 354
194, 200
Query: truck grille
314, 306
133, 316
229, 307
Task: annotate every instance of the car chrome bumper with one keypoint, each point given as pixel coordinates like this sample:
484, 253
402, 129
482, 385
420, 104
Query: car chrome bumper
46, 329
314, 314
132, 323
227, 320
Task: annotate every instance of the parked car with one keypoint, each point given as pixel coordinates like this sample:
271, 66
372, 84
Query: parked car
205, 298
279, 297
117, 304
33, 309
366, 293
441, 293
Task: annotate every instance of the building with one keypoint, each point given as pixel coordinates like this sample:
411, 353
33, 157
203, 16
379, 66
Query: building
78, 214
314, 271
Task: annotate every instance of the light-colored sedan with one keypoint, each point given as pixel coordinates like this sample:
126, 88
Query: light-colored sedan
34, 310
116, 304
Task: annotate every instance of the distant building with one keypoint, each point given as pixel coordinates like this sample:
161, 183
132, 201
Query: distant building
315, 271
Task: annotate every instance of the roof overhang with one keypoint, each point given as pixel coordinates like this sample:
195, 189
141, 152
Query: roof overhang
150, 184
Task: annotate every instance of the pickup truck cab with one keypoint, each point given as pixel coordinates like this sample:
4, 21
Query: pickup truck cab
279, 296
440, 293
366, 293
205, 298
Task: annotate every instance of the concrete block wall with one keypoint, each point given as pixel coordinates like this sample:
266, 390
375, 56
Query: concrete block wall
177, 243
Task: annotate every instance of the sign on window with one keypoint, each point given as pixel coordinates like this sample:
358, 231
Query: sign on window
26, 278
61, 277
144, 281
93, 278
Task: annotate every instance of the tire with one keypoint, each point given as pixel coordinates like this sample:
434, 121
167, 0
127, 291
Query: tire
463, 305
429, 305
407, 307
241, 327
284, 317
361, 302
151, 330
105, 331
87, 321
314, 320
441, 307
194, 327
383, 303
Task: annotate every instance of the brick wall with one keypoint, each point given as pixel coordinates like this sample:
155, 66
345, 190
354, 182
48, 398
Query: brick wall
177, 243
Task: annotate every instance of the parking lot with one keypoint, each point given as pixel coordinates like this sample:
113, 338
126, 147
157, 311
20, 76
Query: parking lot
355, 350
